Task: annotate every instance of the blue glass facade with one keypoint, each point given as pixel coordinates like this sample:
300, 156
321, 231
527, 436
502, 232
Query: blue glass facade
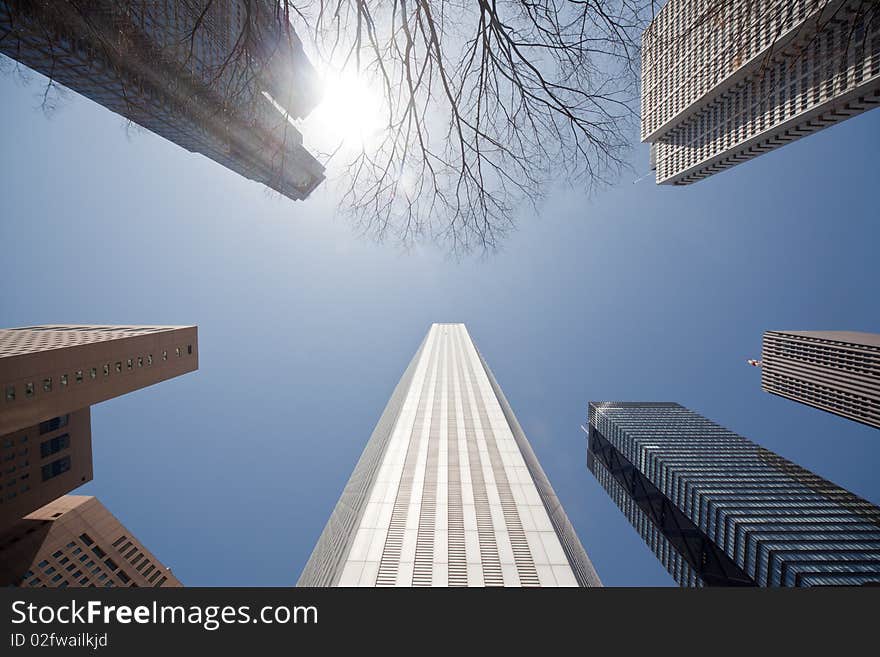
718, 509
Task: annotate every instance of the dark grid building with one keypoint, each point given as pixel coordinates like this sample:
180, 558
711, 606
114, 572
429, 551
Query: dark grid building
75, 541
720, 510
836, 371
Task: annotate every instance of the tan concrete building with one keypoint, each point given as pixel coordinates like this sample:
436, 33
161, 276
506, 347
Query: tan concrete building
47, 371
42, 462
76, 541
49, 377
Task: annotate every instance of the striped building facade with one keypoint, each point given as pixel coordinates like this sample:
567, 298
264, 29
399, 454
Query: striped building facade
726, 80
835, 371
448, 491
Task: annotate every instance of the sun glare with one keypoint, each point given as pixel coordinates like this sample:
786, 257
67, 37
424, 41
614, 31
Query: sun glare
350, 113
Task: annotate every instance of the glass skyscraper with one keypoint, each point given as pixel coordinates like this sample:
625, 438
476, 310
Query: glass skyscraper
448, 491
719, 510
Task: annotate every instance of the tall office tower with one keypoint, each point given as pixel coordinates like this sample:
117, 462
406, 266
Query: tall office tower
76, 541
49, 377
726, 80
224, 78
719, 510
837, 371
448, 491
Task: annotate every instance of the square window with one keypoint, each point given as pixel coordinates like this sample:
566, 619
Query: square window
47, 384
164, 355
79, 376
64, 379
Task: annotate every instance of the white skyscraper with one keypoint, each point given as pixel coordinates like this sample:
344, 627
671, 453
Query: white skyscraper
726, 80
448, 491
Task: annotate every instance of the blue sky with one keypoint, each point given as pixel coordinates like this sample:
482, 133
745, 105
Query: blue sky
637, 292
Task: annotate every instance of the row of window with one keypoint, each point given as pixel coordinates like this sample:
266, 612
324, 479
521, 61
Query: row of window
79, 376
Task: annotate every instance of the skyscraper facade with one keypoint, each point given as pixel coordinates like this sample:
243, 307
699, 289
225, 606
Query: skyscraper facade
836, 371
724, 81
49, 377
75, 541
223, 78
448, 491
720, 510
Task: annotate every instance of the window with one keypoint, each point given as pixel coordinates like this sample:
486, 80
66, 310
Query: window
140, 361
54, 445
47, 384
189, 349
54, 424
93, 373
99, 552
63, 379
164, 355
118, 365
110, 563
10, 393
150, 359
123, 576
177, 351
129, 363
106, 369
79, 376
56, 468
28, 389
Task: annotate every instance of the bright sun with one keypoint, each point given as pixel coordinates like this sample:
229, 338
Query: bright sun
350, 113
